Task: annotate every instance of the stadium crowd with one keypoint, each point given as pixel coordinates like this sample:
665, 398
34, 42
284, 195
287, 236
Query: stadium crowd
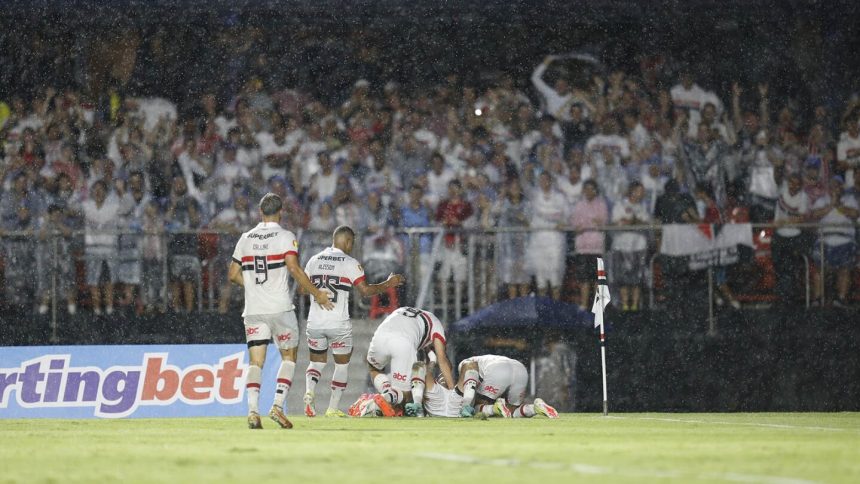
139, 176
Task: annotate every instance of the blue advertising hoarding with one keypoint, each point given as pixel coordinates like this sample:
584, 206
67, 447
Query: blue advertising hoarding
127, 381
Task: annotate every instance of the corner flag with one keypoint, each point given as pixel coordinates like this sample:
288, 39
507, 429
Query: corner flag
601, 299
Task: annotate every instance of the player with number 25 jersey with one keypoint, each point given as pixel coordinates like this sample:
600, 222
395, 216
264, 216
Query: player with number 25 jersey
336, 273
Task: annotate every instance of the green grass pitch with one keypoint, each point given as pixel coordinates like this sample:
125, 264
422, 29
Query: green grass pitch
778, 448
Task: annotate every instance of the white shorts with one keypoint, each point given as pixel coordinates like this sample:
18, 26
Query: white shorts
441, 402
453, 265
505, 377
338, 339
280, 328
396, 353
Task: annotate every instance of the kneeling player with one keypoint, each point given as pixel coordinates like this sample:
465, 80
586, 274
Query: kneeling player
498, 377
436, 399
395, 346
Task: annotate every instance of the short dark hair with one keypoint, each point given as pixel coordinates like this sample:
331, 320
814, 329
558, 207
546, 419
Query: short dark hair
270, 204
343, 231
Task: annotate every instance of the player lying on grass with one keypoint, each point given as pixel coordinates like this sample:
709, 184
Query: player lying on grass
394, 347
498, 378
335, 271
435, 399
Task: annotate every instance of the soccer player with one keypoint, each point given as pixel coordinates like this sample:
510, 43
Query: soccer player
500, 376
395, 345
335, 272
263, 257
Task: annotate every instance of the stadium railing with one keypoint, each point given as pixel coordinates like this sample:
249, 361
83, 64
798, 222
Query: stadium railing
32, 267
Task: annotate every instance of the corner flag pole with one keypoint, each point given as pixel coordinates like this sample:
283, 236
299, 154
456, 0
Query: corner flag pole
601, 299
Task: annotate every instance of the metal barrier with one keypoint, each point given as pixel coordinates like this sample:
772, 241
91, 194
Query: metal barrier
467, 259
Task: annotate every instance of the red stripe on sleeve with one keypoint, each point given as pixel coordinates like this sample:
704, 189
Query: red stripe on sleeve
291, 252
276, 256
357, 281
439, 337
248, 258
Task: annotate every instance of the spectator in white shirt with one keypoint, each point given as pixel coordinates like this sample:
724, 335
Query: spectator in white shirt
840, 248
324, 182
438, 178
555, 99
101, 217
629, 249
848, 150
790, 244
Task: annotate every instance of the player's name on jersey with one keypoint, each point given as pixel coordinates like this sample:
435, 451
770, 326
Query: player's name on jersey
262, 236
331, 258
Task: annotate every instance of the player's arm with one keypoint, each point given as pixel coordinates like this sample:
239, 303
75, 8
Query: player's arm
234, 273
305, 284
368, 290
444, 363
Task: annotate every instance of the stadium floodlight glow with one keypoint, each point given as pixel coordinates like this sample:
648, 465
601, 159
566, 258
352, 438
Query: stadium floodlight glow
601, 299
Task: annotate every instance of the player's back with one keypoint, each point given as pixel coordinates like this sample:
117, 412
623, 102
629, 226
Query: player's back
418, 326
486, 361
262, 252
337, 273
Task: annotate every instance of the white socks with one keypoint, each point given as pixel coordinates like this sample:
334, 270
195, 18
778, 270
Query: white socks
252, 388
338, 384
312, 375
470, 381
285, 380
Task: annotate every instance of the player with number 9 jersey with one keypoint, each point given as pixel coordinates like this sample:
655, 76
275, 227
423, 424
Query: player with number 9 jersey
262, 252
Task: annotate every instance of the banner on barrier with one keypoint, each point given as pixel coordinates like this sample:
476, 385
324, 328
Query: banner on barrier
125, 381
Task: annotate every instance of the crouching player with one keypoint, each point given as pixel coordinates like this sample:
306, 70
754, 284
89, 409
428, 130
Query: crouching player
436, 399
394, 347
495, 378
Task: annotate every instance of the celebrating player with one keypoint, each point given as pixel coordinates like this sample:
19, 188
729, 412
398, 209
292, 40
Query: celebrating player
259, 262
335, 272
497, 377
395, 345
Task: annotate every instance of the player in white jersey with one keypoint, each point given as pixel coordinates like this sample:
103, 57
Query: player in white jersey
395, 346
263, 258
438, 401
335, 272
499, 377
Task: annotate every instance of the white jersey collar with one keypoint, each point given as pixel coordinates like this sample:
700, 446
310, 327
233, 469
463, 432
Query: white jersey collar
268, 225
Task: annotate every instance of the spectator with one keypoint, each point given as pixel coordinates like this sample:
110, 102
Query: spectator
547, 246
183, 218
56, 273
324, 182
588, 213
152, 252
629, 249
555, 99
132, 205
452, 212
101, 218
848, 149
789, 244
513, 211
229, 222
228, 174
416, 213
839, 245
438, 178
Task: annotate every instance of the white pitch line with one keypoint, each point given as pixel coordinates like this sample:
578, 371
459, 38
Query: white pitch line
746, 424
593, 470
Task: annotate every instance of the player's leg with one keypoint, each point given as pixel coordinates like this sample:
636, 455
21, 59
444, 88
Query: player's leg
402, 359
417, 382
496, 382
469, 380
285, 329
257, 336
519, 380
318, 356
379, 356
341, 343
